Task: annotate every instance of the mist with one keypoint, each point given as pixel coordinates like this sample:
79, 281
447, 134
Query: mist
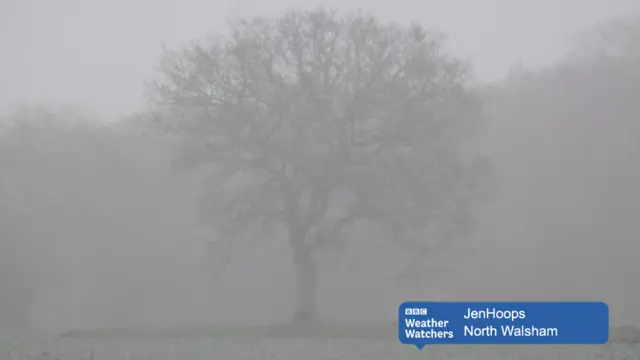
102, 223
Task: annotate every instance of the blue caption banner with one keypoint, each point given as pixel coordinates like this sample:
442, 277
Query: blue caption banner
432, 323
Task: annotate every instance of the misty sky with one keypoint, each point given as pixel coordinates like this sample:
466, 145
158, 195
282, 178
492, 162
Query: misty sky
98, 53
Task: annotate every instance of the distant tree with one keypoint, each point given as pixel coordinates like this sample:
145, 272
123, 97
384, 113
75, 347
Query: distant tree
582, 116
83, 204
318, 123
15, 280
36, 172
617, 38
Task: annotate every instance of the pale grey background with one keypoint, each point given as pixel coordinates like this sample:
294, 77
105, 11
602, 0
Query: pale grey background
53, 50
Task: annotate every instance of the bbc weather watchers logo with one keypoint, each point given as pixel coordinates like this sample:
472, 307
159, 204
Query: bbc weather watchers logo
415, 311
422, 323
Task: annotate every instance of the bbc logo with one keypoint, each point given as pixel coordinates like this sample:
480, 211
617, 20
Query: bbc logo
415, 311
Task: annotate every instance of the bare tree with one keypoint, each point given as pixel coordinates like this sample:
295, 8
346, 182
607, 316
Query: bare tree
319, 122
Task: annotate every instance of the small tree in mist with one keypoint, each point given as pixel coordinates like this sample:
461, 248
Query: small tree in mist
318, 123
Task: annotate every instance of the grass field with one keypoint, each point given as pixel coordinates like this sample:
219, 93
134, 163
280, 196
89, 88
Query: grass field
254, 348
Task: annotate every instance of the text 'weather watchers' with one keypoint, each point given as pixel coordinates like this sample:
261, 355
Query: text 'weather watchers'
425, 323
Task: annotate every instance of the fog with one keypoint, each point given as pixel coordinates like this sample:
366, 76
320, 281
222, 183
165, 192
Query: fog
102, 223
56, 49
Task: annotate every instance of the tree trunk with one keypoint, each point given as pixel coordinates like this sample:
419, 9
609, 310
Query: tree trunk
306, 281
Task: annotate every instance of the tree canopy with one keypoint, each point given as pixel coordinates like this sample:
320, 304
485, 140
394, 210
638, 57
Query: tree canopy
316, 121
